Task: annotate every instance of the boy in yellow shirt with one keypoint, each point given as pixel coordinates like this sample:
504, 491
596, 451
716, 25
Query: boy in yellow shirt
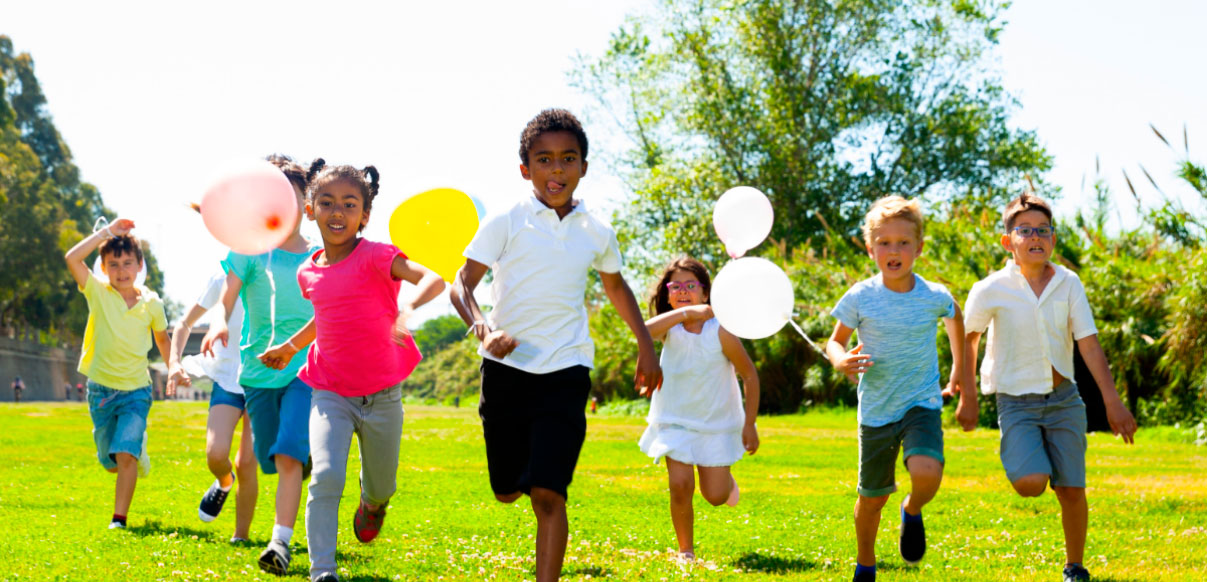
114, 355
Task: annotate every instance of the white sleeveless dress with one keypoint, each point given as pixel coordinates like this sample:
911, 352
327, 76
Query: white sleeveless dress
697, 416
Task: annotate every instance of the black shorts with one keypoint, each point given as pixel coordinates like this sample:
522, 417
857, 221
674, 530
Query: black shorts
534, 426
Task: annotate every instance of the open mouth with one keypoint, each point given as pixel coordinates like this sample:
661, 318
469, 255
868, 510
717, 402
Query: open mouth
335, 228
554, 187
893, 264
1037, 249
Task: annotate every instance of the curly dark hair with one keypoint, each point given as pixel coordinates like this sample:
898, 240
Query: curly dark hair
120, 245
552, 120
660, 297
291, 169
366, 179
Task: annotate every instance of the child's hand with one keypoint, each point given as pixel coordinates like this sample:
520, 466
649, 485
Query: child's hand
854, 363
951, 390
177, 377
277, 357
400, 331
648, 376
1121, 420
498, 343
217, 332
967, 414
697, 313
121, 226
750, 438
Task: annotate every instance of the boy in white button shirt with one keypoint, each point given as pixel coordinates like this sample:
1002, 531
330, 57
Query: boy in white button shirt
536, 349
1034, 311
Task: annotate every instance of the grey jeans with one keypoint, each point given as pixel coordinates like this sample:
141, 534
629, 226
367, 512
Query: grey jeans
376, 420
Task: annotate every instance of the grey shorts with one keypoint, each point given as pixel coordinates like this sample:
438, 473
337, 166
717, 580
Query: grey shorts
920, 431
1044, 433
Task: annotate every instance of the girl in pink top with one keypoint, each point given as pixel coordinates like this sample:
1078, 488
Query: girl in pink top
362, 352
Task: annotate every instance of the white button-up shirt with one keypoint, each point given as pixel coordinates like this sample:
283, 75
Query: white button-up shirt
1028, 335
540, 266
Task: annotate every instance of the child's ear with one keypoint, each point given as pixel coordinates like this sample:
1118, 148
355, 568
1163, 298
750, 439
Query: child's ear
1006, 243
584, 171
309, 211
871, 253
524, 172
921, 244
364, 220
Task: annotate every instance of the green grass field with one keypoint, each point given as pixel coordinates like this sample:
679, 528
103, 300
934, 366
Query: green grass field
1148, 509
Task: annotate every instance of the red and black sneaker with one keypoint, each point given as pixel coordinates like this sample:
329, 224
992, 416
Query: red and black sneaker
367, 524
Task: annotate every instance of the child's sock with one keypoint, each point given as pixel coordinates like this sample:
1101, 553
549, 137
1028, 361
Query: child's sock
860, 569
280, 532
119, 519
906, 517
230, 482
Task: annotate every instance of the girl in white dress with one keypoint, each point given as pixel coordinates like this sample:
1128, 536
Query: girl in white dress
696, 418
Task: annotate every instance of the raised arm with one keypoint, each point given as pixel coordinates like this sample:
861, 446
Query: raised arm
498, 342
1120, 418
78, 253
648, 376
735, 352
663, 322
851, 363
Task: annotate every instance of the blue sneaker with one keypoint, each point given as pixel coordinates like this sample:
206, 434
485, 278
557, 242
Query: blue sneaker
213, 500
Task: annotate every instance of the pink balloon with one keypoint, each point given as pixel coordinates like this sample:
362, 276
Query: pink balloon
250, 208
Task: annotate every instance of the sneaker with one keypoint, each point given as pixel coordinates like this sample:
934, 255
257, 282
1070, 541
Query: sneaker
120, 525
685, 557
275, 558
144, 459
913, 539
865, 577
326, 577
367, 524
734, 494
239, 540
213, 500
1076, 573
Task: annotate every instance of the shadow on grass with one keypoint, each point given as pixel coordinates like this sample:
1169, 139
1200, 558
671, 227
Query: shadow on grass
592, 571
155, 528
755, 562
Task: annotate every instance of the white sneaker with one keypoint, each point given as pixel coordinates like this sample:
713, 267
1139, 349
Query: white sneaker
144, 459
117, 525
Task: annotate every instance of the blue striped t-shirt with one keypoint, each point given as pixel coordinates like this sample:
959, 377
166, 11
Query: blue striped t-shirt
898, 331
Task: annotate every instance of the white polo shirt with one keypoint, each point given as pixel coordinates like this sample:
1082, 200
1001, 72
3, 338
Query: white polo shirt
1028, 335
539, 290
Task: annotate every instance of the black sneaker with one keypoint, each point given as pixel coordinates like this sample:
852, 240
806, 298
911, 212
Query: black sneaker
275, 558
326, 577
913, 539
213, 500
866, 577
1076, 573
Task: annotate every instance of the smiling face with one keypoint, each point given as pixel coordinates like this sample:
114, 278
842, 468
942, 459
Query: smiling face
554, 166
121, 269
895, 246
684, 290
1034, 250
338, 208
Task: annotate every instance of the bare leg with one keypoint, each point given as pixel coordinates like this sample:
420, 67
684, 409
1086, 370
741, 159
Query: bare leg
715, 484
683, 486
1032, 485
245, 496
552, 533
925, 473
867, 521
1075, 517
127, 478
219, 430
289, 489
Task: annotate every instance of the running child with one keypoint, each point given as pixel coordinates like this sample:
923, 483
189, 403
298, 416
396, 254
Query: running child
696, 419
536, 348
123, 317
227, 407
362, 352
896, 365
1034, 311
278, 403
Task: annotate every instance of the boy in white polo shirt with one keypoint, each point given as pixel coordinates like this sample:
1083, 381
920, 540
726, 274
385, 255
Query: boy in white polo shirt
1034, 310
536, 349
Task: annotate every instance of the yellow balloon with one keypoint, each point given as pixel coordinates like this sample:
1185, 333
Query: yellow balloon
434, 227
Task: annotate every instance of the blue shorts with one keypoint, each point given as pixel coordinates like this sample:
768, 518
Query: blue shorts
119, 419
220, 395
1044, 433
280, 423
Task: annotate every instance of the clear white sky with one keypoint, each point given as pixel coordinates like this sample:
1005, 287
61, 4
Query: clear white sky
150, 96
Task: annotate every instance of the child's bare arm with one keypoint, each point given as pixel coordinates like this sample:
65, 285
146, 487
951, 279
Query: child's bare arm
180, 337
165, 351
278, 357
498, 342
429, 284
663, 322
218, 330
78, 253
849, 363
1120, 418
961, 381
735, 352
648, 376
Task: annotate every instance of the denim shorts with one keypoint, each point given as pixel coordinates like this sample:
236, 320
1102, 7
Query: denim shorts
1045, 434
920, 432
119, 419
220, 395
280, 423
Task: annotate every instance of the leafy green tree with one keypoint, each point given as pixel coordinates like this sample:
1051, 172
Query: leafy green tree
439, 332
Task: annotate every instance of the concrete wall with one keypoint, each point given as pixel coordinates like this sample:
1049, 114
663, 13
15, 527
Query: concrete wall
43, 369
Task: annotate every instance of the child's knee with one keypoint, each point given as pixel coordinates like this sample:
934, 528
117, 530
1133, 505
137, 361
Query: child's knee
682, 488
546, 501
924, 467
1069, 494
1031, 485
125, 460
871, 503
508, 497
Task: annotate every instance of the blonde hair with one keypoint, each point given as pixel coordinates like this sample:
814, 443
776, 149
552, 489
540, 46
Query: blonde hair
889, 208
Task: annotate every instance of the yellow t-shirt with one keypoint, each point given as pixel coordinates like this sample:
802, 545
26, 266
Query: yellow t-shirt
118, 338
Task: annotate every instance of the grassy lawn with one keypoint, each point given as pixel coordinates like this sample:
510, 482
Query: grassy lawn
1148, 509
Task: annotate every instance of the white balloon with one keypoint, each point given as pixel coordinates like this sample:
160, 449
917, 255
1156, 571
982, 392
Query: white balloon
752, 297
742, 218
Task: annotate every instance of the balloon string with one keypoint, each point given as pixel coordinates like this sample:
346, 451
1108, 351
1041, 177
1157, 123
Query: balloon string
802, 334
272, 303
101, 222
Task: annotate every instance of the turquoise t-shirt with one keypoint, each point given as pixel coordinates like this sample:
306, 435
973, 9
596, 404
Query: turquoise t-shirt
898, 331
292, 312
